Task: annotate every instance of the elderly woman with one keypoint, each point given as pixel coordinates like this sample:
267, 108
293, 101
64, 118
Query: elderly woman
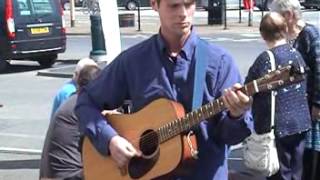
306, 39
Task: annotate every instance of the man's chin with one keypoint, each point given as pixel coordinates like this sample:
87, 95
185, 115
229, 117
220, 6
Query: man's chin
184, 31
187, 30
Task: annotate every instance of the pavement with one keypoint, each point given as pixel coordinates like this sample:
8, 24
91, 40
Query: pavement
149, 24
152, 28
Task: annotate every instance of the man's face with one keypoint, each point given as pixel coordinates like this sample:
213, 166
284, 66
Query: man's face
176, 16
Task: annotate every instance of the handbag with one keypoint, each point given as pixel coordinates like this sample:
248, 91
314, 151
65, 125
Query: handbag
259, 150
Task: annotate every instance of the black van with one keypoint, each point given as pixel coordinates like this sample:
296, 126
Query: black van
31, 30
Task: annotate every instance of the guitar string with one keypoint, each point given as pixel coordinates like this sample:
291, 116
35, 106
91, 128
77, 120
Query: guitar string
148, 138
145, 139
216, 105
175, 129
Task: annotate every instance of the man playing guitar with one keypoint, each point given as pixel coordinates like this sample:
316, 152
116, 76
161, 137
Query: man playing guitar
163, 67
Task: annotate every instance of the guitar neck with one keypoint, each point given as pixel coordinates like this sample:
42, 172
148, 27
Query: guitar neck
193, 118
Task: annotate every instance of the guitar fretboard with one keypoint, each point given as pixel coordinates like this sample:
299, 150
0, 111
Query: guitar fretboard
193, 118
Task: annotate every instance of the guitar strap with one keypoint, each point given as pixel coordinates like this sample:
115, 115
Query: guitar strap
273, 100
199, 74
201, 61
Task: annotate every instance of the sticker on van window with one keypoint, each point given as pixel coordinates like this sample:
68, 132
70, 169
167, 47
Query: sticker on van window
25, 13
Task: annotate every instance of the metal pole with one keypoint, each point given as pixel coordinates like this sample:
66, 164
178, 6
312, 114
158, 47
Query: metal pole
139, 20
262, 10
72, 13
225, 14
98, 51
210, 12
250, 13
240, 11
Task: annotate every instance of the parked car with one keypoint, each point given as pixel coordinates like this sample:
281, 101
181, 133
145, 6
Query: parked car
311, 4
133, 4
264, 5
66, 4
31, 30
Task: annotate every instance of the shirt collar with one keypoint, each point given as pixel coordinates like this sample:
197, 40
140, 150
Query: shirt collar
187, 49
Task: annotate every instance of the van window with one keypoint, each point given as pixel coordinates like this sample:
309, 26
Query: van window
34, 7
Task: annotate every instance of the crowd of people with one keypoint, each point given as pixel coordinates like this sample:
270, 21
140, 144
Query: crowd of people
164, 66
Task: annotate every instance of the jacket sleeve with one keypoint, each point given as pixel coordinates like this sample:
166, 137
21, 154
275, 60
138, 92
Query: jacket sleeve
227, 130
108, 91
315, 58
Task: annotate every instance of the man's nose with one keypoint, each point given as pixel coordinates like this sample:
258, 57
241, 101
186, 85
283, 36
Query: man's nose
183, 12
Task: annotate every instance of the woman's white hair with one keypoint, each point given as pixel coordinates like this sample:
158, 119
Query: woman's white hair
282, 6
81, 64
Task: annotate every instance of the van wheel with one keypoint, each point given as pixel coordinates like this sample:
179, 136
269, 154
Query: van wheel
131, 5
47, 61
3, 65
66, 6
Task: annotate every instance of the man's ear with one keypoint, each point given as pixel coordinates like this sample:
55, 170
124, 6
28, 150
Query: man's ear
154, 4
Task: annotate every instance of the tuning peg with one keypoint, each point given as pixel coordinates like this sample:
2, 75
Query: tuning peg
302, 69
292, 78
298, 69
305, 69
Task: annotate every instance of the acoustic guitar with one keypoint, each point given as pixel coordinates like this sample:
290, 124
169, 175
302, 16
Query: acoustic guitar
159, 132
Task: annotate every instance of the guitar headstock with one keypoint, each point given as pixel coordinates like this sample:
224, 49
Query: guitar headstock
280, 78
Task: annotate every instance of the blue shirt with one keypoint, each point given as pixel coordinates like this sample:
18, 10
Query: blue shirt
64, 93
144, 73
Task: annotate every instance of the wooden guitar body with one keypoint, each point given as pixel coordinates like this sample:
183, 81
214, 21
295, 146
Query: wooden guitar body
163, 158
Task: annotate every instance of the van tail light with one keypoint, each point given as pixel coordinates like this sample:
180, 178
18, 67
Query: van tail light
63, 29
9, 19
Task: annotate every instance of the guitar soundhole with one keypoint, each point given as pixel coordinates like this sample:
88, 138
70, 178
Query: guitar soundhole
149, 145
149, 142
